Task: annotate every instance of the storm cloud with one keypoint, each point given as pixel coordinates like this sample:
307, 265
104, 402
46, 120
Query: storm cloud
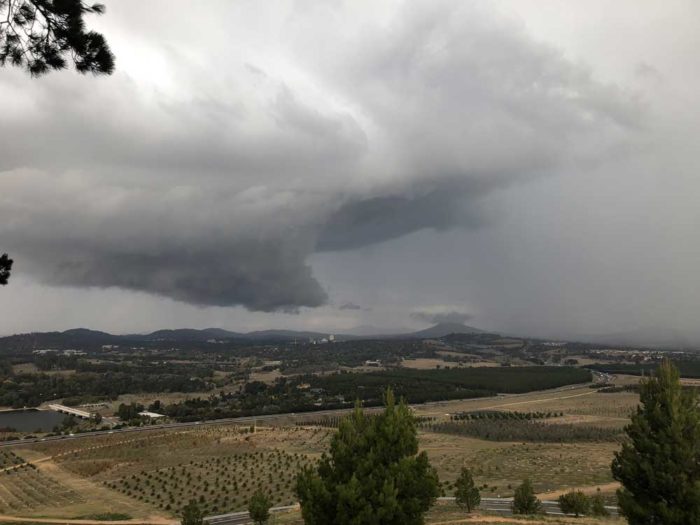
211, 177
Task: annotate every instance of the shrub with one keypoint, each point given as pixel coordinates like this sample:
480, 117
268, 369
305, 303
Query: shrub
574, 502
525, 501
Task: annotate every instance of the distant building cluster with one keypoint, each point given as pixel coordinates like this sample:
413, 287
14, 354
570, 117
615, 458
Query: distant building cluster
329, 339
67, 352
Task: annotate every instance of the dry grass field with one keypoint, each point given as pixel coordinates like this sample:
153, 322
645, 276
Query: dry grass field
571, 400
499, 467
426, 363
221, 484
151, 474
28, 489
155, 473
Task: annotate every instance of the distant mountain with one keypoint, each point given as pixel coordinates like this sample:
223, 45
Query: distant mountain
85, 335
434, 332
285, 335
85, 338
188, 335
443, 329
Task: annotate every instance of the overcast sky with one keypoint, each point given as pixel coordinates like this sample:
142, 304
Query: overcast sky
528, 166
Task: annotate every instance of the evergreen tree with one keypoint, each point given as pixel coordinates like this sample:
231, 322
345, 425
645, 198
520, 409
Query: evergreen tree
466, 494
259, 508
191, 514
659, 465
41, 34
373, 475
598, 506
5, 267
575, 502
525, 501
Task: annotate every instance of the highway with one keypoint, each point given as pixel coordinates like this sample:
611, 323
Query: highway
500, 506
236, 518
194, 424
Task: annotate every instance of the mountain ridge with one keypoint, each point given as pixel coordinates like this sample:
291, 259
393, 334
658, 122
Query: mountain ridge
76, 336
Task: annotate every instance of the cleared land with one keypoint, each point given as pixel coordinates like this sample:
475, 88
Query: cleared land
157, 473
150, 475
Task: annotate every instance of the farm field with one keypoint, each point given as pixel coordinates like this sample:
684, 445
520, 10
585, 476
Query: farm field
550, 466
27, 488
499, 467
582, 401
218, 484
152, 474
158, 472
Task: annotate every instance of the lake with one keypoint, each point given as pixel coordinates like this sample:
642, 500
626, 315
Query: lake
31, 420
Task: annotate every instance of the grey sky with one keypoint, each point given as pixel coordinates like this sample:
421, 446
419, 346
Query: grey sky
323, 165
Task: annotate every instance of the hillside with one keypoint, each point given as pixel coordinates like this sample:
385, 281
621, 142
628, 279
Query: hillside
83, 337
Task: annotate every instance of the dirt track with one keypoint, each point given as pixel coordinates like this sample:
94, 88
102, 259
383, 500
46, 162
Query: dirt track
591, 489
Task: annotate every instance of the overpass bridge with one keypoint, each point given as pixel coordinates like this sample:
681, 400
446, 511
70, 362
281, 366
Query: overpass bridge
72, 411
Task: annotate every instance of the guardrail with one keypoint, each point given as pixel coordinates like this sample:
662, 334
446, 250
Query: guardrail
499, 505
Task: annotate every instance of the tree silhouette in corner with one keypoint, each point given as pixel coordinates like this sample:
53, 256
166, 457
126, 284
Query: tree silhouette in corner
43, 35
5, 267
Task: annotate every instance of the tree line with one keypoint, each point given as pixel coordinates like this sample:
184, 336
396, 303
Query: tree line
526, 430
418, 386
20, 390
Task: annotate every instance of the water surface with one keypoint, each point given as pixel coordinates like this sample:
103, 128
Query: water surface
31, 420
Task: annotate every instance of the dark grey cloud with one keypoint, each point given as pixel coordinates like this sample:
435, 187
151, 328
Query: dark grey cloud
215, 189
362, 222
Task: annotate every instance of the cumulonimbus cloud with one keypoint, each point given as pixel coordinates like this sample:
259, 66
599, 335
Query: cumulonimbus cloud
220, 198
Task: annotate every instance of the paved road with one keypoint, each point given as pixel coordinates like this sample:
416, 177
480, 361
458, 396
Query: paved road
260, 419
497, 505
502, 506
233, 420
236, 518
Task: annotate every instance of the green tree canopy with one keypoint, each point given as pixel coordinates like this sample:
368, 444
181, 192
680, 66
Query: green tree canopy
466, 494
659, 465
192, 514
525, 501
575, 502
598, 506
259, 508
373, 475
42, 35
5, 267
